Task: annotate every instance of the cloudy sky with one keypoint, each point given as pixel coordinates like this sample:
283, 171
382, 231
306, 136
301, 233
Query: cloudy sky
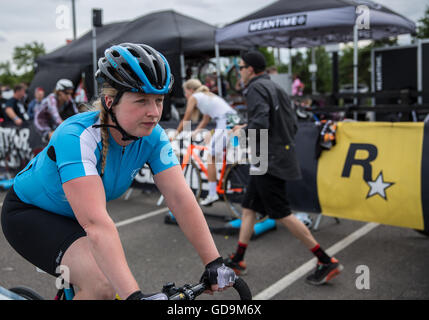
49, 21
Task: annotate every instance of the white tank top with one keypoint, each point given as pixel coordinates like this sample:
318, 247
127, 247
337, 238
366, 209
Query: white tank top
212, 105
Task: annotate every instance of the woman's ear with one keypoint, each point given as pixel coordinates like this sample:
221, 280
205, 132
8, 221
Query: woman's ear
108, 100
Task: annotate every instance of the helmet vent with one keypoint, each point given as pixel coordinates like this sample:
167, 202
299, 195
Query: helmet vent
115, 54
134, 53
148, 73
130, 72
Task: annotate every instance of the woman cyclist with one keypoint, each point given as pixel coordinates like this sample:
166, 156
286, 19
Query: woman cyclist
56, 214
55, 108
212, 107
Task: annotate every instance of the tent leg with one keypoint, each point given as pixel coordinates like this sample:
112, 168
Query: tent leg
355, 67
219, 80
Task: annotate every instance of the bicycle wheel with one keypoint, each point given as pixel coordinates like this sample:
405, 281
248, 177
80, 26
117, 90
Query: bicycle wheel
235, 185
26, 293
206, 68
192, 175
233, 78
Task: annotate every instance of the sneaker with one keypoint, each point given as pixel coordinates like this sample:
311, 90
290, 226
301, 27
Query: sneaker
238, 267
325, 272
209, 200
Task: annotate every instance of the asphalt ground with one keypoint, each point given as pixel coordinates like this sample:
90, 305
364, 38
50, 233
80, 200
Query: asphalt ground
380, 262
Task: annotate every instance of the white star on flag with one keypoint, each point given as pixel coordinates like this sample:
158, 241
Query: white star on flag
378, 186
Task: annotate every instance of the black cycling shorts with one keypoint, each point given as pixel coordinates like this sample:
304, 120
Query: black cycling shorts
40, 236
266, 194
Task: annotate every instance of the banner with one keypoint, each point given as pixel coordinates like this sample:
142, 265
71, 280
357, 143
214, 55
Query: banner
376, 172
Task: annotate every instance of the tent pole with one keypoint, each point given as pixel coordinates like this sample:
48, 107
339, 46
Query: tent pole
94, 61
182, 66
355, 67
419, 72
290, 69
313, 74
219, 82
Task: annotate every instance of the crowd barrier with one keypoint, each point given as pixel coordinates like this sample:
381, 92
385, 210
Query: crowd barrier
376, 171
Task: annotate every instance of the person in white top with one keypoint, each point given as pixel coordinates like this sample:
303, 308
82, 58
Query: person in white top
212, 107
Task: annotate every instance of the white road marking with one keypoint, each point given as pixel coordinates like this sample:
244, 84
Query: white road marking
290, 278
141, 217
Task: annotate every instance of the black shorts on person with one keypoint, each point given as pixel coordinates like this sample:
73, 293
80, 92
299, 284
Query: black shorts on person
266, 194
40, 236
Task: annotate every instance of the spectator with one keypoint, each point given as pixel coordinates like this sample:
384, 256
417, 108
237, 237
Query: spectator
55, 108
269, 108
297, 86
272, 70
39, 94
14, 110
2, 104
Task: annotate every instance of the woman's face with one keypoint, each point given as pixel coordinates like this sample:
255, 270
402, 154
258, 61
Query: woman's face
188, 92
139, 113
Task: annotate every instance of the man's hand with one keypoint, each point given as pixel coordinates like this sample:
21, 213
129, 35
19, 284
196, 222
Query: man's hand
238, 127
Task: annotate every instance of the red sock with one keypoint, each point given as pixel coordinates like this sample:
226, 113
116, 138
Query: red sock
320, 254
239, 254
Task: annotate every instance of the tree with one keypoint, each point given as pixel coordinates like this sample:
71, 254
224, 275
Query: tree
7, 77
25, 57
423, 25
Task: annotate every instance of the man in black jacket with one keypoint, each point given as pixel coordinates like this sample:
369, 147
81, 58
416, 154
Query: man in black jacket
269, 108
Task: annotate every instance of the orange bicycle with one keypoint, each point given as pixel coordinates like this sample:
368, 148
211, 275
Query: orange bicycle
231, 185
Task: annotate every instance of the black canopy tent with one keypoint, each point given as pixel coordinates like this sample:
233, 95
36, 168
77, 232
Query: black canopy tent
171, 33
309, 23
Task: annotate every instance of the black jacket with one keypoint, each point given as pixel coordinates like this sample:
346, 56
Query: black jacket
269, 107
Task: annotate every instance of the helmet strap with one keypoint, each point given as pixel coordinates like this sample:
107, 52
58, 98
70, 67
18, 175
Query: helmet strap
125, 136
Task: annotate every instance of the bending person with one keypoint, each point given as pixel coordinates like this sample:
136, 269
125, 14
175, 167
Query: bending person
212, 107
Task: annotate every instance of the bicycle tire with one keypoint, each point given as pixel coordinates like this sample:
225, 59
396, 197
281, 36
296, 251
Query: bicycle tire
193, 178
242, 289
205, 69
232, 77
236, 178
26, 293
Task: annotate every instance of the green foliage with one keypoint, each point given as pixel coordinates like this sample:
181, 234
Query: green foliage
6, 75
269, 56
24, 59
423, 25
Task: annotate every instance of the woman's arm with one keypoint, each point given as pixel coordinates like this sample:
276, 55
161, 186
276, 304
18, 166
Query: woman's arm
188, 214
203, 123
190, 106
91, 213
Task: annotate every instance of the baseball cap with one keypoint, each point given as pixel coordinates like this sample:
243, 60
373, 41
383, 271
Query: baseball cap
254, 59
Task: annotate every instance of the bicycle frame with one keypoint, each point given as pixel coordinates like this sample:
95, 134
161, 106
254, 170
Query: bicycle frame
191, 155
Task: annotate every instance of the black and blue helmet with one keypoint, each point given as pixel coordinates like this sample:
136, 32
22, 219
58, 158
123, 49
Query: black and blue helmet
136, 68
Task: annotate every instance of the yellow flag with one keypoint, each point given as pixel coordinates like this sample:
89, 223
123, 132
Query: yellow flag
373, 174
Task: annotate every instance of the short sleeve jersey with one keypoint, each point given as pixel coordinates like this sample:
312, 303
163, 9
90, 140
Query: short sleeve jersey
212, 105
75, 151
19, 109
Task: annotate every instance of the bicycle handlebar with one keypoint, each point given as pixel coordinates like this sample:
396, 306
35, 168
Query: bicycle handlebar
190, 292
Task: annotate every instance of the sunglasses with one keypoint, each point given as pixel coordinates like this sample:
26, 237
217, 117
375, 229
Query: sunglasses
243, 67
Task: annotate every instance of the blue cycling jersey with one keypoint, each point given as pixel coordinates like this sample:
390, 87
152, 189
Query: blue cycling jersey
75, 151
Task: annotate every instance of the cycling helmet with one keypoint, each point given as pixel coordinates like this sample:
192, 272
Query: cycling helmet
130, 67
64, 84
135, 68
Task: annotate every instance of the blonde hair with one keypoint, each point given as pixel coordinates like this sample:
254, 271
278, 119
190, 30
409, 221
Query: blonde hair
196, 86
104, 117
